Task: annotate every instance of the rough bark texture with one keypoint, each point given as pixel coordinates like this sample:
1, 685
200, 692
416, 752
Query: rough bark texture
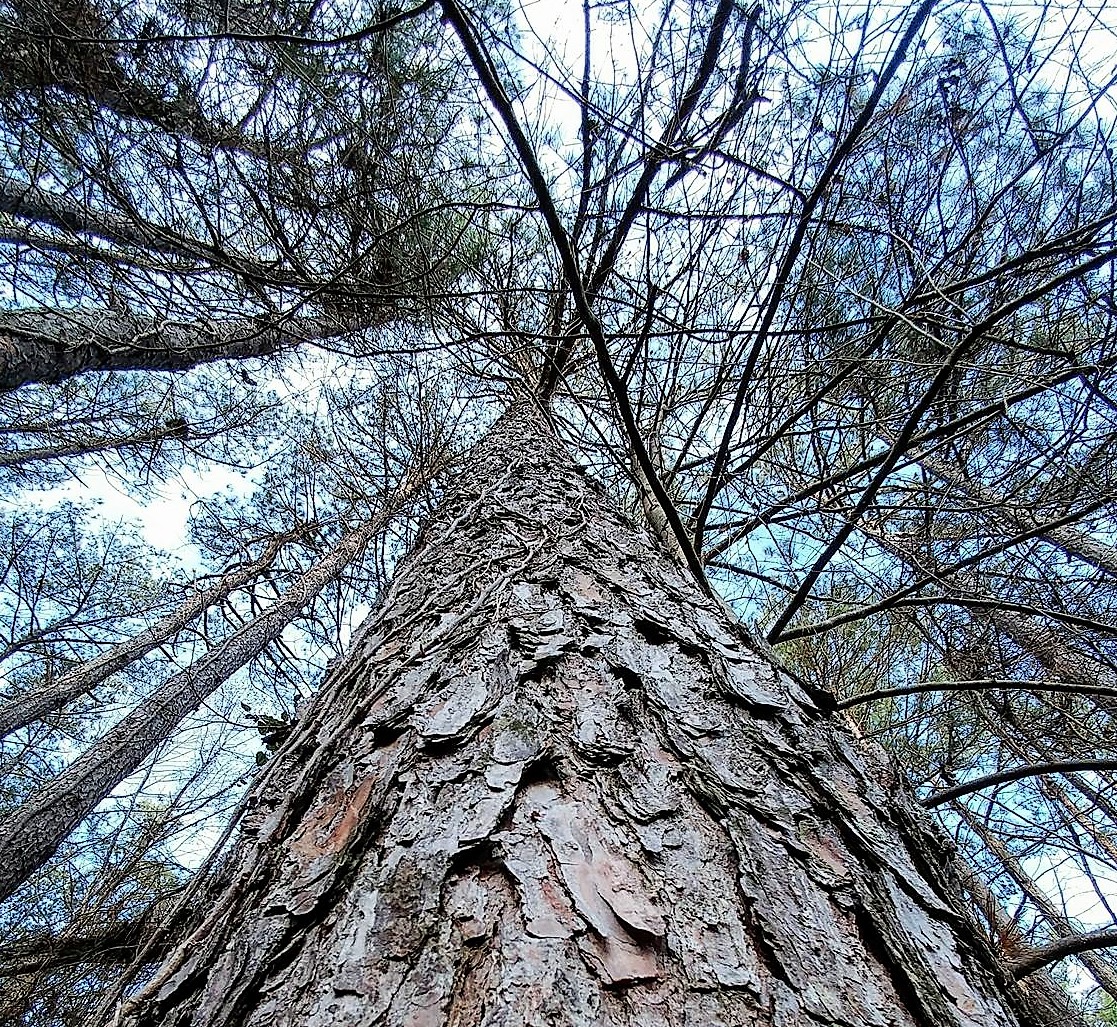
46, 347
50, 347
550, 785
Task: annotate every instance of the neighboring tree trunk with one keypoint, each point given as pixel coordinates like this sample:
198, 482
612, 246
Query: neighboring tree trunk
48, 347
551, 785
1098, 965
1067, 538
41, 206
1049, 650
24, 457
26, 709
31, 834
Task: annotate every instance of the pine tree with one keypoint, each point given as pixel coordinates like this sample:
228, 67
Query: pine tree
677, 419
551, 783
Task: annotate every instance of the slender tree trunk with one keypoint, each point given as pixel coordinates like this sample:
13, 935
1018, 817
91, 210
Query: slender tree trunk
24, 457
551, 785
31, 834
26, 709
1065, 537
45, 346
1050, 651
28, 202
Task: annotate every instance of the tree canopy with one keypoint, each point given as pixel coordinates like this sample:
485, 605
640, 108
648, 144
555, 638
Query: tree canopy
824, 293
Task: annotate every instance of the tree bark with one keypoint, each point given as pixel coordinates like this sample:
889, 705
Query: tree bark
552, 785
47, 347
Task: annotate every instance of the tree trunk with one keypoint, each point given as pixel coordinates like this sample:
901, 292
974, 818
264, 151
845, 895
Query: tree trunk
22, 458
45, 347
31, 834
551, 785
1049, 650
32, 706
48, 347
41, 206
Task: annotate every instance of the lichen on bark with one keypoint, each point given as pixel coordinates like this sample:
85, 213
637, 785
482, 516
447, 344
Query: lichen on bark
551, 784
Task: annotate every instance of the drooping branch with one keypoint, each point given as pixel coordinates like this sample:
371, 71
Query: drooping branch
158, 244
1048, 649
40, 206
378, 27
941, 574
1064, 536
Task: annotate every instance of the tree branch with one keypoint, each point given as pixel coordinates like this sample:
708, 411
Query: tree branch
1018, 774
907, 432
1021, 684
499, 99
1044, 955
